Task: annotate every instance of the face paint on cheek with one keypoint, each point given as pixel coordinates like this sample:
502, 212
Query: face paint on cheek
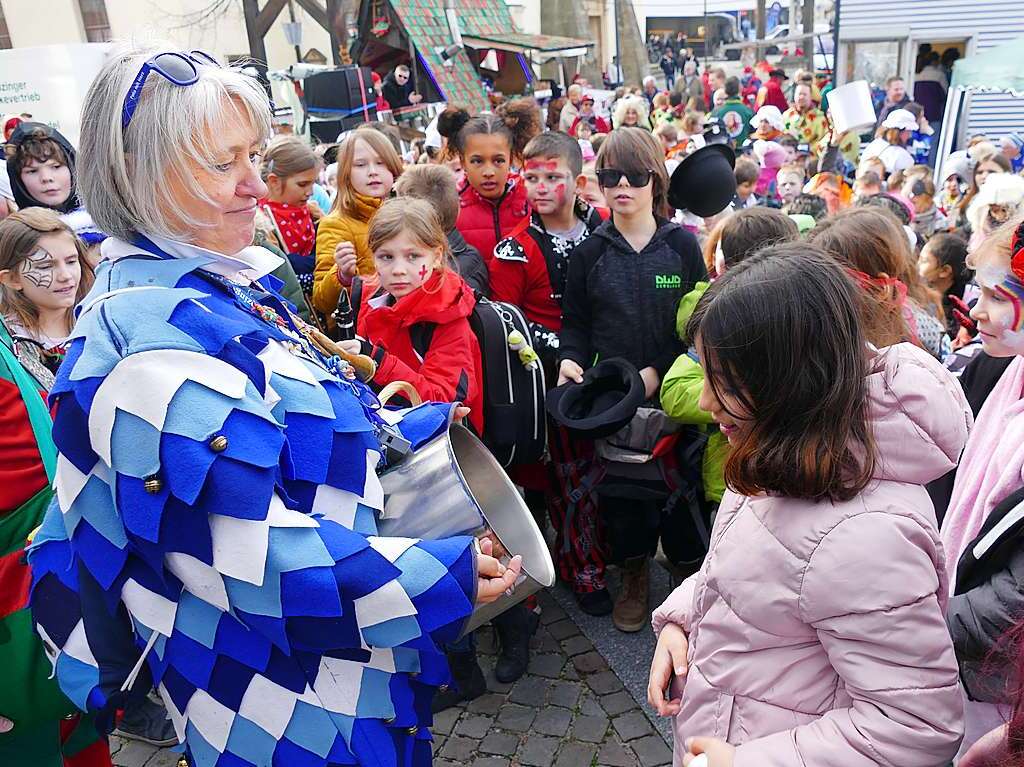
1003, 283
31, 269
560, 194
423, 272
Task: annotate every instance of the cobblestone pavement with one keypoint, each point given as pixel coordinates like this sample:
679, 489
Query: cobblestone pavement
580, 703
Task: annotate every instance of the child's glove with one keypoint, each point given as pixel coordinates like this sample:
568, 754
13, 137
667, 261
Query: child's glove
527, 355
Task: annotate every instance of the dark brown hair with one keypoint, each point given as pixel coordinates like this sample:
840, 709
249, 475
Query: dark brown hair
36, 145
518, 120
635, 150
747, 231
782, 331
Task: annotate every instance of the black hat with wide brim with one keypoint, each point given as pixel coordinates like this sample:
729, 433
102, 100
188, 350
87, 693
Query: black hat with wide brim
604, 403
704, 183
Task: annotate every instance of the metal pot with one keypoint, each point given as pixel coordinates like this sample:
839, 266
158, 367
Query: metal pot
454, 486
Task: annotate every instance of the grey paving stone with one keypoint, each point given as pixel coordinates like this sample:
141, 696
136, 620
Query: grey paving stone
552, 721
516, 718
632, 725
575, 755
617, 703
551, 613
490, 761
134, 754
474, 726
590, 662
164, 758
530, 691
460, 749
501, 743
577, 645
446, 763
489, 703
589, 706
652, 751
537, 751
604, 683
445, 720
570, 672
486, 640
564, 694
437, 744
543, 642
563, 629
548, 665
591, 729
614, 754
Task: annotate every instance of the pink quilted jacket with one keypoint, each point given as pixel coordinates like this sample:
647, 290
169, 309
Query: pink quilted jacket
816, 631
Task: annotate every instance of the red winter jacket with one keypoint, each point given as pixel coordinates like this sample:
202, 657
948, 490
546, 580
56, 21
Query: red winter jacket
451, 370
484, 223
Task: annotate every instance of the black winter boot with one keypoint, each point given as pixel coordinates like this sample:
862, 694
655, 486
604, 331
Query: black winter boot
515, 626
467, 681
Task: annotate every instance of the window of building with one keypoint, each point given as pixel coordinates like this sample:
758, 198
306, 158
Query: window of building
95, 21
5, 35
873, 60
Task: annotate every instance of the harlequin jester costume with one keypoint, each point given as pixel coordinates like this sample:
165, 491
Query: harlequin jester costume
216, 488
41, 736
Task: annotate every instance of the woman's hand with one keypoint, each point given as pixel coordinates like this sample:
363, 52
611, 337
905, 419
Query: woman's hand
651, 381
717, 753
493, 578
669, 658
345, 259
498, 550
569, 371
352, 346
461, 411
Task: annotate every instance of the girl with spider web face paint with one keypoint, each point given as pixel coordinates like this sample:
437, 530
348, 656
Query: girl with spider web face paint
999, 311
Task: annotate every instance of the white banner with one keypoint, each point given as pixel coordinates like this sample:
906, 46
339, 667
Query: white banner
50, 82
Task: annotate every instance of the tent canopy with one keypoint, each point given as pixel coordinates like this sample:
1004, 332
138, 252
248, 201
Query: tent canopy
996, 69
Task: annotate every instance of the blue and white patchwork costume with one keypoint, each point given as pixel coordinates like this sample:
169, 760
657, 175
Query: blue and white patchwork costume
215, 515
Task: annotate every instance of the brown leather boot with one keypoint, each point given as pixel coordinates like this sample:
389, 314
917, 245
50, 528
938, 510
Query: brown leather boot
631, 612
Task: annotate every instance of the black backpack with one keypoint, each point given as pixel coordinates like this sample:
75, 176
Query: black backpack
515, 424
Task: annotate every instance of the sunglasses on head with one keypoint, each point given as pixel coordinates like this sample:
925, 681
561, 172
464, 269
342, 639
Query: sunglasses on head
609, 177
179, 68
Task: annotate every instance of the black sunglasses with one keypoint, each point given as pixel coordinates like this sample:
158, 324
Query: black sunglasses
609, 177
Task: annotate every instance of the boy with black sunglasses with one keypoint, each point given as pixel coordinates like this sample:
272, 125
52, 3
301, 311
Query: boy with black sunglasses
622, 291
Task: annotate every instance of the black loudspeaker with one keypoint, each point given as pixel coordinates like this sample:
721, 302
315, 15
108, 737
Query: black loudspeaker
341, 92
326, 131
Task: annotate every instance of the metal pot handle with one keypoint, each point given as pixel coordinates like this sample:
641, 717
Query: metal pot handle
400, 387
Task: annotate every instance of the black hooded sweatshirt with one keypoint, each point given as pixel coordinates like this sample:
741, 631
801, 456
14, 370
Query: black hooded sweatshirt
21, 195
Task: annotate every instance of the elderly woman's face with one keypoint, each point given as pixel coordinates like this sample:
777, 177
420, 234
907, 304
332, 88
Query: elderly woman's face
233, 185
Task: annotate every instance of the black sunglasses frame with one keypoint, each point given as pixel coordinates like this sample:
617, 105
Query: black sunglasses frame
614, 175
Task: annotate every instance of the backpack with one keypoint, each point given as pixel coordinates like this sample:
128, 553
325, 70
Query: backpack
515, 429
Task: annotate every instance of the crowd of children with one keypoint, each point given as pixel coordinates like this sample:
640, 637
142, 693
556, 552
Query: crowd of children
803, 363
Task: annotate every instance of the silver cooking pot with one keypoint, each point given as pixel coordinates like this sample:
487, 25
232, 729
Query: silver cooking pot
454, 486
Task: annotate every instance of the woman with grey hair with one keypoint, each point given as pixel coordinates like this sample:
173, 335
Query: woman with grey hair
214, 530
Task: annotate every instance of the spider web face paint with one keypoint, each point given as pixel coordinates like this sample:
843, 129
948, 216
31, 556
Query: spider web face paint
38, 269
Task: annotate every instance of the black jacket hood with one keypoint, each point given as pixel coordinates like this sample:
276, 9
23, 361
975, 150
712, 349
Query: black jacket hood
21, 196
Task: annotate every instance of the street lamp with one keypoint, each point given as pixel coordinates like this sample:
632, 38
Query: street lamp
293, 32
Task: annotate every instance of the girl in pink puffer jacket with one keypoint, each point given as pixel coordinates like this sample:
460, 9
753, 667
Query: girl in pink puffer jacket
813, 634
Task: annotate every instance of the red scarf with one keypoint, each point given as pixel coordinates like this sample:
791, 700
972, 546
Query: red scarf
295, 224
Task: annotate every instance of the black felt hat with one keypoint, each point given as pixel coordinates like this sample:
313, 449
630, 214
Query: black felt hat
603, 404
704, 183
